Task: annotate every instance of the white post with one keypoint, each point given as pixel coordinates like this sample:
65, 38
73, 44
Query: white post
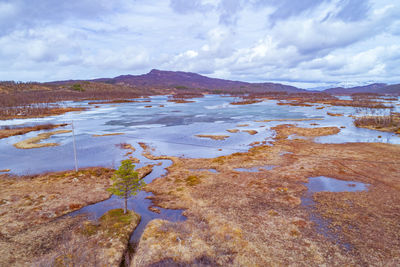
73, 137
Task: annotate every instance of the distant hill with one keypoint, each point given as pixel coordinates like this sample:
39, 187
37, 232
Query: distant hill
379, 88
189, 80
167, 82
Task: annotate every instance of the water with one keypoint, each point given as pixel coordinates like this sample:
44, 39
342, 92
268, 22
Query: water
322, 183
170, 130
327, 184
140, 203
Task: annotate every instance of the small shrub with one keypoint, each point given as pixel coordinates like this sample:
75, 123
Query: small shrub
193, 180
77, 87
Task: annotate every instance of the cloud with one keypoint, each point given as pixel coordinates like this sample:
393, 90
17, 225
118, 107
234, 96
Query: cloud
353, 10
22, 14
184, 6
298, 42
288, 8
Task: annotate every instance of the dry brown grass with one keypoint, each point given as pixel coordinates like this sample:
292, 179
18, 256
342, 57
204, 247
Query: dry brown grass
334, 114
305, 119
114, 101
247, 102
30, 200
214, 137
255, 219
31, 208
310, 99
8, 131
36, 112
251, 132
110, 134
388, 123
180, 101
94, 243
144, 171
33, 142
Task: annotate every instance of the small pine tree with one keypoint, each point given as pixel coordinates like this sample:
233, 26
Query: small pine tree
126, 182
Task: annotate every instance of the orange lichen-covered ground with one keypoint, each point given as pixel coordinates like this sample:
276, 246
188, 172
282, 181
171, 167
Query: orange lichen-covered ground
256, 219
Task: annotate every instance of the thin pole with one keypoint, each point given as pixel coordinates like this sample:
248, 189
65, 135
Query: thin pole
73, 137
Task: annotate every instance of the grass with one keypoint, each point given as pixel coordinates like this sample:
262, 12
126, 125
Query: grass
110, 134
251, 132
33, 206
253, 219
334, 114
33, 142
388, 123
8, 131
106, 238
214, 137
193, 180
305, 119
246, 102
112, 223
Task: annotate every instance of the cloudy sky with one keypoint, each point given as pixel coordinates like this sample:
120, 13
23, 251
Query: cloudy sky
306, 43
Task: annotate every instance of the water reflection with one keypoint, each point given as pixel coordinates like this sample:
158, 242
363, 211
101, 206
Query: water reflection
327, 184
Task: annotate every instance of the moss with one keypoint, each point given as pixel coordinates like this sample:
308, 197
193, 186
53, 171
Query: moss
177, 181
115, 216
90, 229
193, 180
218, 160
111, 224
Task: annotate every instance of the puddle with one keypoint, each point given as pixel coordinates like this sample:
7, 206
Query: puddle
327, 184
322, 183
255, 169
285, 153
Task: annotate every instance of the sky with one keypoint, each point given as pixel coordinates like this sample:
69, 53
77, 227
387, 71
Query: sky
305, 43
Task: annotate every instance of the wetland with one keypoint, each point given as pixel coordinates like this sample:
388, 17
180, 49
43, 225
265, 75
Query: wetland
293, 183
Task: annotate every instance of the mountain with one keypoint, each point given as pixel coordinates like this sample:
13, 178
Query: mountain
380, 88
189, 80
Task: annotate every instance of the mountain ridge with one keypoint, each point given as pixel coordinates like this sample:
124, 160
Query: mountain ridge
160, 78
190, 81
